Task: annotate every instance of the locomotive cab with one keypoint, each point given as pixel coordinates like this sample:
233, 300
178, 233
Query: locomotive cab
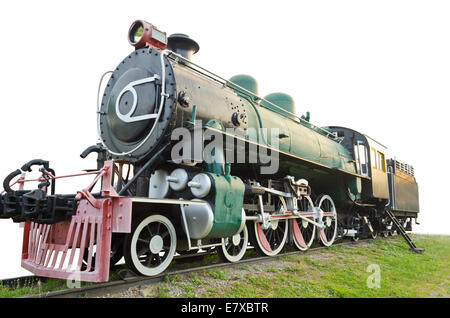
370, 160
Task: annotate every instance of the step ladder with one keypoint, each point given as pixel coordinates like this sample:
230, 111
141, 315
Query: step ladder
405, 235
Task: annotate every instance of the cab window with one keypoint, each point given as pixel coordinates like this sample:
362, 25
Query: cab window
373, 155
362, 160
381, 161
377, 159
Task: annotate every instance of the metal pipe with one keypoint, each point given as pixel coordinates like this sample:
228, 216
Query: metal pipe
279, 193
392, 184
198, 247
8, 179
145, 167
183, 214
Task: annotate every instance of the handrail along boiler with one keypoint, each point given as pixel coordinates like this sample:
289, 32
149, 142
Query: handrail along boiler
330, 183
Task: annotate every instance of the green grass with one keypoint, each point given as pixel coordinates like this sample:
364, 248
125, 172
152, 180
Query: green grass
217, 273
343, 271
49, 285
340, 271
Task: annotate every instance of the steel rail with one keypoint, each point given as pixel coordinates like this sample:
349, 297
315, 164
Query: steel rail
102, 289
32, 280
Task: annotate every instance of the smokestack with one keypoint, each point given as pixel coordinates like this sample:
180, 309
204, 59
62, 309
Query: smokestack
183, 45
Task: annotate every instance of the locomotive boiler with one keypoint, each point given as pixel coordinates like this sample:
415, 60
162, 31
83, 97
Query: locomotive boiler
190, 161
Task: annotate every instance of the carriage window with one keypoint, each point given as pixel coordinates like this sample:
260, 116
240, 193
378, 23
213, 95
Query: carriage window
381, 162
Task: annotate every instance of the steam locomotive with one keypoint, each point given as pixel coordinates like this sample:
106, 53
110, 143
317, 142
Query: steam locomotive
190, 161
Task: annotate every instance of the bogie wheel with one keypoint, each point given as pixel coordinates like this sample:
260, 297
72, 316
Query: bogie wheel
304, 232
391, 231
326, 205
355, 238
404, 223
387, 226
150, 247
233, 248
394, 232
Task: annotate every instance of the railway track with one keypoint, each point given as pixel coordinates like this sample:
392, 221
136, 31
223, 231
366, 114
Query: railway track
125, 283
18, 282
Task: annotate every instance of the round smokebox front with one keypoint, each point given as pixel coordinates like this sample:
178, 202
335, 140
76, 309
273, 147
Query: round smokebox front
134, 116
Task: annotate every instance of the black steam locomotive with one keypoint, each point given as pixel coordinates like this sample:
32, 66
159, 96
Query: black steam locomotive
189, 161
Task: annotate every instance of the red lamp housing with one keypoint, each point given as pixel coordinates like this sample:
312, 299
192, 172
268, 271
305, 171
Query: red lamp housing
143, 34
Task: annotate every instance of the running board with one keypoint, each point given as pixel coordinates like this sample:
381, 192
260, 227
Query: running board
405, 235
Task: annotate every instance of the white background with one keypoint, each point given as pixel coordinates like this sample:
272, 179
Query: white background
380, 67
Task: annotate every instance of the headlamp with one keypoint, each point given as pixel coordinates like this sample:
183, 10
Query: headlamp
144, 34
